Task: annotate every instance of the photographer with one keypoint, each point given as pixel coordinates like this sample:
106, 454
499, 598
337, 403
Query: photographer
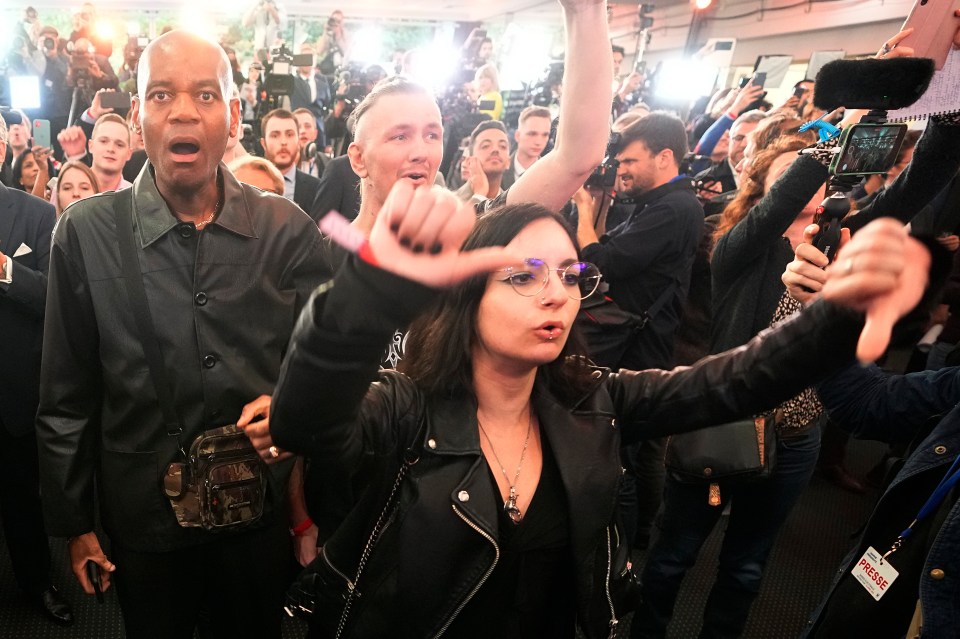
84, 23
334, 45
89, 72
54, 93
268, 18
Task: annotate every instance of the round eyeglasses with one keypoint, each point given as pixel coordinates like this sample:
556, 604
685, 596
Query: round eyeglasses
579, 279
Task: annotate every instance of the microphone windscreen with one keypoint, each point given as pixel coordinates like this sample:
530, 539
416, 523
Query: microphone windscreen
872, 84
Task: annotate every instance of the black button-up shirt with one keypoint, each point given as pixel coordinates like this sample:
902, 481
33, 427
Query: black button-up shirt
223, 301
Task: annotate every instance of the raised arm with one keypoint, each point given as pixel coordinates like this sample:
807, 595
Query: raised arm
769, 219
584, 111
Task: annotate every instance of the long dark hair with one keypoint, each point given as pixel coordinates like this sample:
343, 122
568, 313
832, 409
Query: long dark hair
440, 342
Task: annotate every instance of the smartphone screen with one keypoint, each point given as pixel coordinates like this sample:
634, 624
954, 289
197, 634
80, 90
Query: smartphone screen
759, 78
869, 149
41, 133
798, 92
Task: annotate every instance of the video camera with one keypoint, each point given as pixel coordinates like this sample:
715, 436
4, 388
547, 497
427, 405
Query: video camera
278, 80
540, 92
605, 175
351, 86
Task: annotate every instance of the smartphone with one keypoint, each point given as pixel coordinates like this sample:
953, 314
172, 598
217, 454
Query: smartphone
759, 78
41, 133
93, 574
868, 149
798, 92
486, 105
743, 81
115, 100
934, 26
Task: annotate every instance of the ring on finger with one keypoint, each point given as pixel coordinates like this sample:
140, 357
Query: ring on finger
274, 452
886, 48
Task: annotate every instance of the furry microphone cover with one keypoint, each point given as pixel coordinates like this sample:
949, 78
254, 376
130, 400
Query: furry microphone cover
872, 84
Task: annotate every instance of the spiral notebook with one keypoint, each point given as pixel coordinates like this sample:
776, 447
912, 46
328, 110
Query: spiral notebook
941, 97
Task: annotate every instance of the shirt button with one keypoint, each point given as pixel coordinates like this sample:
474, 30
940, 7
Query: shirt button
200, 298
940, 450
432, 444
210, 361
186, 230
463, 496
937, 574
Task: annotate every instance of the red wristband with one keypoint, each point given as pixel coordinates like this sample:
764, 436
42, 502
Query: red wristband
302, 527
731, 115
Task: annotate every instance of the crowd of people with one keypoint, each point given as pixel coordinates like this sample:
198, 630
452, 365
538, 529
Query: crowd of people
440, 451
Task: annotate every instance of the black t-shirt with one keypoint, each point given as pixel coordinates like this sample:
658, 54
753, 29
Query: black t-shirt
531, 591
852, 611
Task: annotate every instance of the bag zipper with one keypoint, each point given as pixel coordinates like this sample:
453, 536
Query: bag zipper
613, 613
323, 553
231, 484
483, 580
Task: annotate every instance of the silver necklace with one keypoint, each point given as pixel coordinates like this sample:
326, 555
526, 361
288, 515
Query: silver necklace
510, 506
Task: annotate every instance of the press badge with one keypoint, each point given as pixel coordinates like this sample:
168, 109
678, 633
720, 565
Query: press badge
874, 574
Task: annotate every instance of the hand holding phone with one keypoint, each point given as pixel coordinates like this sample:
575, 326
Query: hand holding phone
759, 79
93, 574
41, 133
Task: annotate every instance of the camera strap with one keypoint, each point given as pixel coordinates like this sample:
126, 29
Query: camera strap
140, 307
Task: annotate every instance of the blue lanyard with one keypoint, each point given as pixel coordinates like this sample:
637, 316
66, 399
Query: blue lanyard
932, 504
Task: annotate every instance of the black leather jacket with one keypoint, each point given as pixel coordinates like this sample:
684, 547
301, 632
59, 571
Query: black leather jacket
440, 546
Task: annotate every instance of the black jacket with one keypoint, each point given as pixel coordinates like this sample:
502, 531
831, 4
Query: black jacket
339, 190
649, 255
440, 546
305, 190
223, 303
25, 221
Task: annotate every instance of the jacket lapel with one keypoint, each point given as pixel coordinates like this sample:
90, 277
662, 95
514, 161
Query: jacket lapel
8, 214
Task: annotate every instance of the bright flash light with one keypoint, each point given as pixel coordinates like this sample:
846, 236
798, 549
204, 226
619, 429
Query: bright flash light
525, 54
684, 80
133, 28
367, 44
198, 22
104, 30
437, 66
702, 4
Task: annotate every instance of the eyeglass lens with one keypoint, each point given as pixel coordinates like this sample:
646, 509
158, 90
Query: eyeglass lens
579, 279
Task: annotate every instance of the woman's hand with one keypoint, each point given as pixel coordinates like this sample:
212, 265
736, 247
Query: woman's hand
258, 432
891, 50
883, 272
805, 277
418, 234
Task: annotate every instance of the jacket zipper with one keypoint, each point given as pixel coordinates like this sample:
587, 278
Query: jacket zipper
613, 613
486, 575
323, 553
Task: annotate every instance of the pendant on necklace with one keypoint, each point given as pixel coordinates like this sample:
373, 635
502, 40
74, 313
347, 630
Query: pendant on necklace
510, 507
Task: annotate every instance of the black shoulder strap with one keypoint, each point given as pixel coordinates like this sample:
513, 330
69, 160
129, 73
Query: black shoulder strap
662, 300
133, 281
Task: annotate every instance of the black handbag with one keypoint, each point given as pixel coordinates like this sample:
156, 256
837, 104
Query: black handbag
742, 450
608, 331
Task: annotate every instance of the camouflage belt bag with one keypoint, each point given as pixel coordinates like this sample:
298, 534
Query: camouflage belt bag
221, 486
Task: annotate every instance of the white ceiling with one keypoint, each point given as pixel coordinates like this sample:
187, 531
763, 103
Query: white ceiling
412, 10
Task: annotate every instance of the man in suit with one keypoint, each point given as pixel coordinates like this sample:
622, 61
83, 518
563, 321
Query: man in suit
532, 134
281, 146
339, 190
26, 224
311, 91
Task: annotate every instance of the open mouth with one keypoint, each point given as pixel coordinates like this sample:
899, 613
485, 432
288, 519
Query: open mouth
416, 177
185, 148
549, 331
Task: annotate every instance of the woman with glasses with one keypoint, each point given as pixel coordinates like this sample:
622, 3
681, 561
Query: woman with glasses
502, 524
